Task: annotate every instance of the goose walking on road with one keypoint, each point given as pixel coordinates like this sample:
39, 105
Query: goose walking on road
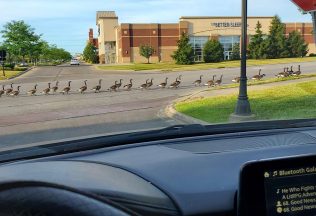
219, 82
176, 83
236, 80
282, 74
149, 84
198, 82
259, 76
113, 87
118, 85
67, 89
211, 83
97, 88
164, 84
47, 90
55, 88
2, 91
299, 72
129, 86
144, 86
32, 91
9, 90
83, 88
16, 92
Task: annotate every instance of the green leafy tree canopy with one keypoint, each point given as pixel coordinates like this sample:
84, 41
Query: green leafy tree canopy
184, 54
90, 53
146, 51
213, 51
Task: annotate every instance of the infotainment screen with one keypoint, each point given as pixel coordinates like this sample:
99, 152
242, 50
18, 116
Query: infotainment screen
280, 187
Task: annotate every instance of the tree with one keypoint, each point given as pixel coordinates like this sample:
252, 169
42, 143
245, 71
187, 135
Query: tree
236, 52
90, 53
256, 45
213, 51
185, 53
296, 45
19, 38
275, 44
146, 51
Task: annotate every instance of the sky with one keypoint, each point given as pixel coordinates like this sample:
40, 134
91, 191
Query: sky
66, 22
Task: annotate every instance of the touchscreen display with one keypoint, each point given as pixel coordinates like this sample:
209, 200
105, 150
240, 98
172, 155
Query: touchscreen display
290, 192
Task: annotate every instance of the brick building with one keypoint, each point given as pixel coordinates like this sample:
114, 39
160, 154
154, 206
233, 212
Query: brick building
119, 43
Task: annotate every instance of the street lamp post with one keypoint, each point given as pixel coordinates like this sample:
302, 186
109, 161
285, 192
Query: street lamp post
314, 23
243, 106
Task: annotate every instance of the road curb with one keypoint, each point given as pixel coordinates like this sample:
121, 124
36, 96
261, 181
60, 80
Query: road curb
172, 113
23, 72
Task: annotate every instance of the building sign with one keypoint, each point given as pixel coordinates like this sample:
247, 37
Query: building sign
226, 24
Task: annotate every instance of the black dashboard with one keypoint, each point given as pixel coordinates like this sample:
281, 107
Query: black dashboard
188, 176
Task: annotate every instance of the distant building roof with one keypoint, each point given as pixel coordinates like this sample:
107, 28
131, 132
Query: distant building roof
106, 15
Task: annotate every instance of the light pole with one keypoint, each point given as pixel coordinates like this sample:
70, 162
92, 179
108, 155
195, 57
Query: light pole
243, 109
314, 23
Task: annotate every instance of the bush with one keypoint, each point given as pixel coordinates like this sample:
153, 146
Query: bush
213, 51
9, 65
312, 55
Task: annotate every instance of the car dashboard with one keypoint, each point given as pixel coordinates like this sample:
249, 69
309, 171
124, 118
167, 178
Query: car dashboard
185, 176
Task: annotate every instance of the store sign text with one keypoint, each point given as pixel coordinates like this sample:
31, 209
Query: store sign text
226, 24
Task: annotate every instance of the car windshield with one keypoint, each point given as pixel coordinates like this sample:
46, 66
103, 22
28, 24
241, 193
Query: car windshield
71, 69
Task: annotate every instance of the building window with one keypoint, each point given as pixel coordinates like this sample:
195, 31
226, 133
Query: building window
228, 43
198, 43
125, 32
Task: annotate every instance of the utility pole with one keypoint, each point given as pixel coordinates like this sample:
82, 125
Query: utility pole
243, 110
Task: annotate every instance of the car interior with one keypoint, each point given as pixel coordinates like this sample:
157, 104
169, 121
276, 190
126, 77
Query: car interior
188, 170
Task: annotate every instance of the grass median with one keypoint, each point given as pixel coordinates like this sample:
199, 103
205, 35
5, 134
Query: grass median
202, 66
9, 74
286, 102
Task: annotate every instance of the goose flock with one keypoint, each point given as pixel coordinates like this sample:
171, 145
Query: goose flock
288, 71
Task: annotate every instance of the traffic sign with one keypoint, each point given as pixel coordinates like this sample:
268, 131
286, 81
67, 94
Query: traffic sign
306, 5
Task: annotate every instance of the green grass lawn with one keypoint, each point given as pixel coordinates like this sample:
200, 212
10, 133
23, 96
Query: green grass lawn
286, 102
9, 74
202, 66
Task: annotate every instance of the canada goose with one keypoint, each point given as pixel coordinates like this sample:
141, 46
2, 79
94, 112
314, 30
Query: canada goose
118, 85
98, 87
236, 80
144, 86
113, 87
55, 88
83, 88
16, 93
179, 80
259, 76
2, 91
47, 90
198, 82
297, 73
9, 90
164, 84
66, 89
219, 82
282, 74
149, 84
291, 71
176, 83
33, 91
129, 86
211, 83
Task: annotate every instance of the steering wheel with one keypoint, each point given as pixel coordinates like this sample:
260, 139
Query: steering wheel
45, 199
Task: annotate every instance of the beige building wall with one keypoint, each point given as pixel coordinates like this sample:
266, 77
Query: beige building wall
208, 26
107, 22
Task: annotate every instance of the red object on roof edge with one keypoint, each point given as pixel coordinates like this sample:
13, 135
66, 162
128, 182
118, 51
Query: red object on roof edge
306, 5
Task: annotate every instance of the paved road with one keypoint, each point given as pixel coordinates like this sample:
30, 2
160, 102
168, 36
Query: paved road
28, 119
